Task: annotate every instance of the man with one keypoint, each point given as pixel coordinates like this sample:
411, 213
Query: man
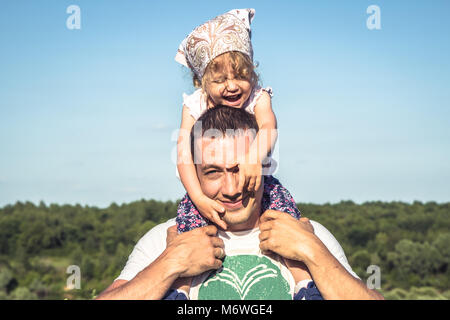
260, 256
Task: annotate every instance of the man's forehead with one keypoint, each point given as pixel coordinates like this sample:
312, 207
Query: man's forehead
223, 151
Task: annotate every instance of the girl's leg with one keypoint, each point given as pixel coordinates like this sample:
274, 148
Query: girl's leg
276, 197
188, 217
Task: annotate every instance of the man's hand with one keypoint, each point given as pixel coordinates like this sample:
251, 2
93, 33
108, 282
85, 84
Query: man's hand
295, 239
285, 235
187, 254
194, 252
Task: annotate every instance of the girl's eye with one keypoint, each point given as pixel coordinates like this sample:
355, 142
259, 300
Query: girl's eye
221, 80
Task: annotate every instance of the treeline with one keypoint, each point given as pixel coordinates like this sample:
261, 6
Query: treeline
410, 243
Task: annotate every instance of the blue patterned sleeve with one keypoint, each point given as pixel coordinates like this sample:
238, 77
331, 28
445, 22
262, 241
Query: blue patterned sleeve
174, 294
309, 293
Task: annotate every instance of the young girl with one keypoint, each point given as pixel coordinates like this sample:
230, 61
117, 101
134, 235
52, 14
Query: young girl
220, 55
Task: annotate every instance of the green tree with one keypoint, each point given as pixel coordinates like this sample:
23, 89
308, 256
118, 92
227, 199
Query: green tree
22, 293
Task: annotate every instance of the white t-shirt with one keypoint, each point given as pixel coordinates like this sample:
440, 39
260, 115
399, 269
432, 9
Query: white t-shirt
246, 273
153, 243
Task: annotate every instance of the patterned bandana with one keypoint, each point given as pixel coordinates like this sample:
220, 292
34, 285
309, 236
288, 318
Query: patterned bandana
227, 32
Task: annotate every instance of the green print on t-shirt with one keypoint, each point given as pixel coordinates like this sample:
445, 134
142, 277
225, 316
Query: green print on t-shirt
245, 277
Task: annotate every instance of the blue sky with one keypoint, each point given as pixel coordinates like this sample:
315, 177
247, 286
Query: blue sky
87, 116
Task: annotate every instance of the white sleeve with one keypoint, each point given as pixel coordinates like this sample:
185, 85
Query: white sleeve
147, 249
333, 246
195, 103
255, 95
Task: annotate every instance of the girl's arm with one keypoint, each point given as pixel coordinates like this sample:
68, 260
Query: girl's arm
185, 165
267, 123
188, 174
263, 144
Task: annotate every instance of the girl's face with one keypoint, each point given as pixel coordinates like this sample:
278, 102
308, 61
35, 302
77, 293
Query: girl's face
224, 86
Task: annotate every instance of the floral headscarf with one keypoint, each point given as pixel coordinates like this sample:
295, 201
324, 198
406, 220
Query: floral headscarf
227, 32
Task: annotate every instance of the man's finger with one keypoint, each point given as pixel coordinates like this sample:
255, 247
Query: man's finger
270, 215
217, 242
171, 234
210, 230
172, 230
219, 253
264, 235
264, 246
265, 225
308, 223
217, 264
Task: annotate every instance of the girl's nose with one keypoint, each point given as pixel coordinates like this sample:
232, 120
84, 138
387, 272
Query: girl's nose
231, 85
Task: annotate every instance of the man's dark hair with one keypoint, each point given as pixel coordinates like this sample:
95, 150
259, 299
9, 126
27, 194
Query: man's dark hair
224, 119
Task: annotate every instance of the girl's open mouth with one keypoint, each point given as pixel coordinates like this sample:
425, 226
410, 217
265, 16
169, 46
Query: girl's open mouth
233, 98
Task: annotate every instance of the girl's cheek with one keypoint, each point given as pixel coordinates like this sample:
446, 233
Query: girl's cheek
247, 87
212, 91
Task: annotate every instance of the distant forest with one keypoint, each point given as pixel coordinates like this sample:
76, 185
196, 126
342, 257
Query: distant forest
410, 243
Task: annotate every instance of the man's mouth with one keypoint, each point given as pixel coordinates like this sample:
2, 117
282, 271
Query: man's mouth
232, 205
236, 204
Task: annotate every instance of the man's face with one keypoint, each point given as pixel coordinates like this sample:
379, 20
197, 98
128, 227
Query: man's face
219, 179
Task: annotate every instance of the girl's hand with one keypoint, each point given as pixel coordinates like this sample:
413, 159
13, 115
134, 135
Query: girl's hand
211, 210
249, 174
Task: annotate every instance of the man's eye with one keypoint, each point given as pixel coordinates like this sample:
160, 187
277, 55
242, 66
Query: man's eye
213, 174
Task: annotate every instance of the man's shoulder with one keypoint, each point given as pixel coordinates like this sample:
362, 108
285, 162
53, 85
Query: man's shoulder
321, 231
332, 245
325, 236
158, 231
146, 250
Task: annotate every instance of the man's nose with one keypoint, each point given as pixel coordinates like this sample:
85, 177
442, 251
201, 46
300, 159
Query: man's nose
230, 185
